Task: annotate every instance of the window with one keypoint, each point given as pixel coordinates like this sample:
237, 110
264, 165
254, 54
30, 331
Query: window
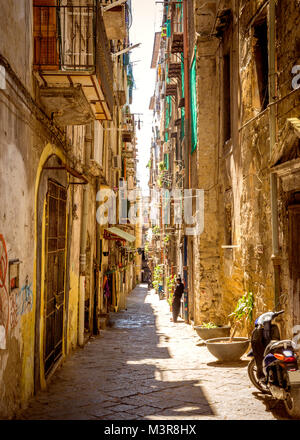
228, 212
261, 62
226, 98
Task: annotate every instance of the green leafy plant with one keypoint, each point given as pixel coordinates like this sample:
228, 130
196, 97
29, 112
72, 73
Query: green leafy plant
156, 230
171, 281
243, 312
162, 166
166, 238
208, 325
157, 276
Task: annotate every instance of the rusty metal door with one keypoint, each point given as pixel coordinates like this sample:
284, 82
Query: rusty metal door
294, 260
55, 273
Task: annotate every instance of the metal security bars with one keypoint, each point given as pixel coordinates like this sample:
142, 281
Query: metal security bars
71, 39
64, 37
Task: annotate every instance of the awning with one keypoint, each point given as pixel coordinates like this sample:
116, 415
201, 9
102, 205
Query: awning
120, 233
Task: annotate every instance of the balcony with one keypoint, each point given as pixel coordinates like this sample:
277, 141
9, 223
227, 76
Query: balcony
174, 70
128, 129
115, 21
177, 38
120, 85
171, 90
72, 62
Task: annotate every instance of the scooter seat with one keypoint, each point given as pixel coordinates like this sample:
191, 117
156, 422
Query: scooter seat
276, 345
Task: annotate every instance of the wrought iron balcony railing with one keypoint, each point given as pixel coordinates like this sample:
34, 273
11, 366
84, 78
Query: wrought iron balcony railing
72, 40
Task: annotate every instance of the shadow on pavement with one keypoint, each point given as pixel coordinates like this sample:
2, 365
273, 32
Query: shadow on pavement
220, 364
275, 406
124, 374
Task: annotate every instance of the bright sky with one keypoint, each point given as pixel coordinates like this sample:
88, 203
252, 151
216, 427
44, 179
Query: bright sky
146, 21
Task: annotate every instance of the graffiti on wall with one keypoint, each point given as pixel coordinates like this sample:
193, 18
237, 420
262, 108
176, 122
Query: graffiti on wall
24, 299
20, 303
4, 297
13, 306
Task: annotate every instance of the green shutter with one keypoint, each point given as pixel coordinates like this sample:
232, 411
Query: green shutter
166, 160
193, 104
168, 24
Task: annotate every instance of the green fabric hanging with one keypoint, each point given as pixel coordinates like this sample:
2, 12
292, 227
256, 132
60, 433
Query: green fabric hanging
168, 111
182, 123
193, 104
168, 25
166, 161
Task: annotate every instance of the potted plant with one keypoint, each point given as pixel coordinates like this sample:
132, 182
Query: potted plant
157, 277
231, 349
171, 281
211, 330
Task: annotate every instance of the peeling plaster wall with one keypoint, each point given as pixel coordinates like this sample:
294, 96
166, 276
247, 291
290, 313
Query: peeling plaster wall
17, 177
221, 276
22, 142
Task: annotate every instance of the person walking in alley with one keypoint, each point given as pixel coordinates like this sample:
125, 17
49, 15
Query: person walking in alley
179, 289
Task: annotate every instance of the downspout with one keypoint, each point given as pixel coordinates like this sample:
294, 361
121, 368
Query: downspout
186, 91
186, 144
98, 264
273, 176
83, 239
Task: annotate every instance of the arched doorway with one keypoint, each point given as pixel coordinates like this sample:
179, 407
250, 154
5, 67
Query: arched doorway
50, 263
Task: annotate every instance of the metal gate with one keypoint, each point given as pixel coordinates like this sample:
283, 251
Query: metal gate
55, 273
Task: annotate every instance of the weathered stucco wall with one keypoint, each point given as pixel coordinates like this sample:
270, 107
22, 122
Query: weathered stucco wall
23, 185
17, 166
241, 201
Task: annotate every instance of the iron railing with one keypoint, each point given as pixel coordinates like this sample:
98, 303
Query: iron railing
73, 39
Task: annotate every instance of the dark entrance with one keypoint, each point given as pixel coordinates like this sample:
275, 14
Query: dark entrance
55, 273
294, 258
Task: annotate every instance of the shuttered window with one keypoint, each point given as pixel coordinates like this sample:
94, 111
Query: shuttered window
193, 104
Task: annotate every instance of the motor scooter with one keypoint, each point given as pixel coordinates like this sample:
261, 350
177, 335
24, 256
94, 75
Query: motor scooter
274, 367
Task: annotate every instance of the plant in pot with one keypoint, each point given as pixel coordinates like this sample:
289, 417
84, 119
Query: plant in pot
171, 281
210, 330
157, 277
231, 348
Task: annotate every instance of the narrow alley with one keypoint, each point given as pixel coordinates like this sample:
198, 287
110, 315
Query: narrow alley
149, 170
145, 367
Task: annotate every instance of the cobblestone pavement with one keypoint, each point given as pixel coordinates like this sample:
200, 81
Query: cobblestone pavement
146, 367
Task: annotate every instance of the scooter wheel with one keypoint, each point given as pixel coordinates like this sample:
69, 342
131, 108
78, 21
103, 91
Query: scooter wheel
292, 403
252, 373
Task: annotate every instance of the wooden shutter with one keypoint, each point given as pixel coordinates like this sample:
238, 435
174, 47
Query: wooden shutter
45, 35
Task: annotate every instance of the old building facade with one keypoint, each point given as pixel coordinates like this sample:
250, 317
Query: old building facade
230, 69
67, 136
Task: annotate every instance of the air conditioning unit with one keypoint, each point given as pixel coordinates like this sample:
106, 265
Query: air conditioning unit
117, 162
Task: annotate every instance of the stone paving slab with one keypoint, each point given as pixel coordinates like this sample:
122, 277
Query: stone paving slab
146, 367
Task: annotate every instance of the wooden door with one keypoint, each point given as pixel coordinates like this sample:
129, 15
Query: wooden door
45, 35
294, 261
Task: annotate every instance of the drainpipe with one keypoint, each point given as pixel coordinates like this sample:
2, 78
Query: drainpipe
186, 91
83, 239
187, 143
273, 176
98, 259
